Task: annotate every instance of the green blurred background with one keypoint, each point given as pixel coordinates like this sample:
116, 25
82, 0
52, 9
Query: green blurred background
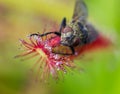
101, 69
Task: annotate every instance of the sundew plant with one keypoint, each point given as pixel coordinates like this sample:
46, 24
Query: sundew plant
77, 35
30, 64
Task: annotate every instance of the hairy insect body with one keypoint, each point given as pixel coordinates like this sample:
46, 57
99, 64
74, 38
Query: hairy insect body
74, 34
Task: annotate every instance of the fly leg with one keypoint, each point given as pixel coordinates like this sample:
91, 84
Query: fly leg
63, 24
45, 34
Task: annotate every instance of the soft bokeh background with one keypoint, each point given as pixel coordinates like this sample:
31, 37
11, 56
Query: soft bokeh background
101, 69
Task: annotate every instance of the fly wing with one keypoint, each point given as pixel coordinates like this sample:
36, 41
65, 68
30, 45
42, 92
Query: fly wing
80, 11
92, 33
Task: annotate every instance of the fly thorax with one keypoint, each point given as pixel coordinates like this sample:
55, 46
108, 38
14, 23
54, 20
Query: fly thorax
79, 30
76, 30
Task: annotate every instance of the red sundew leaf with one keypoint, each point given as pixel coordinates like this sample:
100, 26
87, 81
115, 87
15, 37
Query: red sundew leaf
49, 63
55, 41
